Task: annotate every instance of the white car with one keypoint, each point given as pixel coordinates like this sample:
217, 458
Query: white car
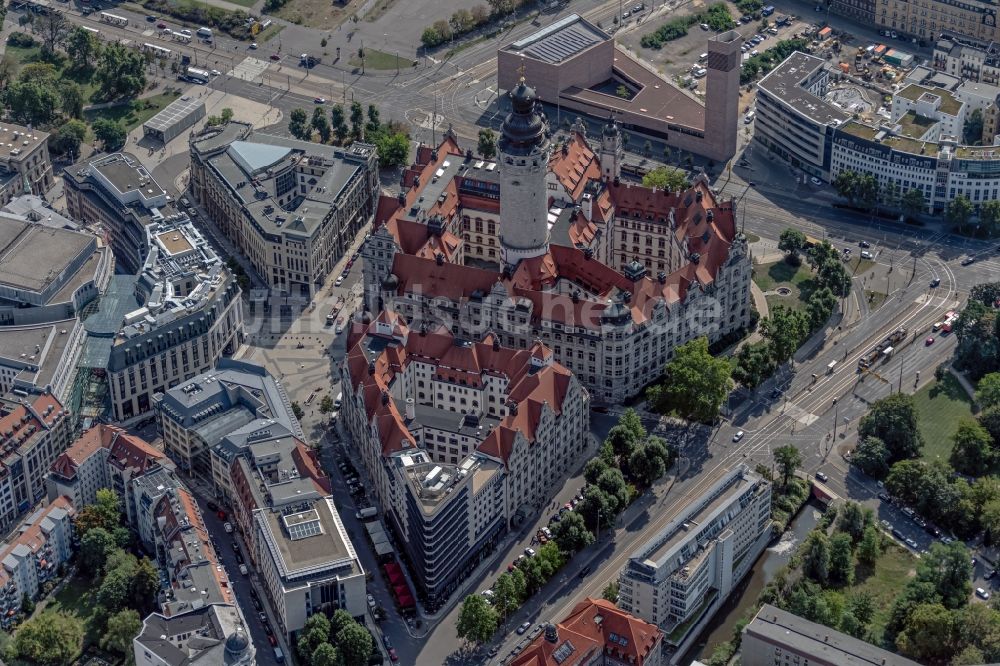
216, 72
815, 181
982, 594
371, 601
244, 570
865, 254
738, 436
228, 527
339, 281
253, 46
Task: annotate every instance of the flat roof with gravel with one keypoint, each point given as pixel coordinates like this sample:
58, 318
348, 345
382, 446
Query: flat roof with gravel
33, 256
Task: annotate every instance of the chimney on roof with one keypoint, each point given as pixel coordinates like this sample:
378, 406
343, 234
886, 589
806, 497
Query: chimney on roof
662, 277
411, 409
695, 258
468, 154
617, 181
385, 397
371, 367
576, 296
496, 342
401, 198
710, 215
512, 406
439, 259
698, 195
551, 633
565, 149
588, 253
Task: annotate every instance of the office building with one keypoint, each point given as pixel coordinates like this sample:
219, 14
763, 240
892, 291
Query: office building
25, 166
596, 633
214, 635
292, 208
968, 59
576, 66
189, 315
117, 194
104, 456
684, 266
685, 572
235, 426
458, 437
32, 555
196, 416
775, 636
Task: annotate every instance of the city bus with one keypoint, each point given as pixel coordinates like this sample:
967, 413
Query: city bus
157, 51
179, 36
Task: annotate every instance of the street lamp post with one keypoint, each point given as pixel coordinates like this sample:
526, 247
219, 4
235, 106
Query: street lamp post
836, 415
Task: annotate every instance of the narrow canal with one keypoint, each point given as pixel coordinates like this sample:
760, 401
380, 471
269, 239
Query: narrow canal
721, 628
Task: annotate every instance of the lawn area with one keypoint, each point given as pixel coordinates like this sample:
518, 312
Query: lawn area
129, 115
885, 581
857, 265
875, 299
375, 59
77, 598
940, 406
320, 14
797, 279
23, 56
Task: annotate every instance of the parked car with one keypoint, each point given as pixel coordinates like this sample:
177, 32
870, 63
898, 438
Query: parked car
228, 527
738, 436
244, 570
523, 628
212, 506
864, 244
968, 260
822, 477
371, 601
982, 594
935, 282
584, 571
393, 657
929, 341
529, 552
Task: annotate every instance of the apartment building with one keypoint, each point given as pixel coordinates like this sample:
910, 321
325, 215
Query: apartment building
104, 456
914, 105
32, 556
595, 633
234, 398
685, 268
925, 20
292, 208
775, 636
25, 166
208, 636
457, 437
969, 59
34, 430
189, 315
685, 572
116, 194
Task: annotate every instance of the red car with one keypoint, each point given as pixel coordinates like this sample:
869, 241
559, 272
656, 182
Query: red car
275, 56
392, 655
929, 341
221, 514
274, 641
161, 25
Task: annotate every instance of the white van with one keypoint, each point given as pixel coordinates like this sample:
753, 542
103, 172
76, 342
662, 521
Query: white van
703, 57
338, 400
205, 33
747, 119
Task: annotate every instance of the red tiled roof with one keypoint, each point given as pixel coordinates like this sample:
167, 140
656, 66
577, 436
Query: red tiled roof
127, 451
574, 165
32, 537
589, 629
307, 465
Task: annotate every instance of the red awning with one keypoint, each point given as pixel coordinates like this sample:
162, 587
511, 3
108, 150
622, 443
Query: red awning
396, 577
407, 601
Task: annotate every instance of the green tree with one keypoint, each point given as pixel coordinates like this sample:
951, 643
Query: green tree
315, 632
82, 47
326, 655
111, 134
696, 383
54, 28
623, 441
298, 124
357, 120
71, 99
326, 404
49, 638
610, 592
894, 421
122, 627
971, 449
355, 644
68, 137
321, 124
989, 217
571, 533
820, 306
121, 72
144, 585
505, 595
226, 114
754, 364
297, 410
970, 655
338, 620
27, 604
870, 548
989, 518
988, 389
648, 462
872, 457
477, 620
393, 149
612, 483
784, 330
928, 634
597, 508
949, 569
913, 202
338, 121
959, 212
972, 130
841, 559
816, 556
94, 549
792, 242
845, 183
852, 520
32, 102
487, 146
788, 459
593, 469
666, 178
374, 123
